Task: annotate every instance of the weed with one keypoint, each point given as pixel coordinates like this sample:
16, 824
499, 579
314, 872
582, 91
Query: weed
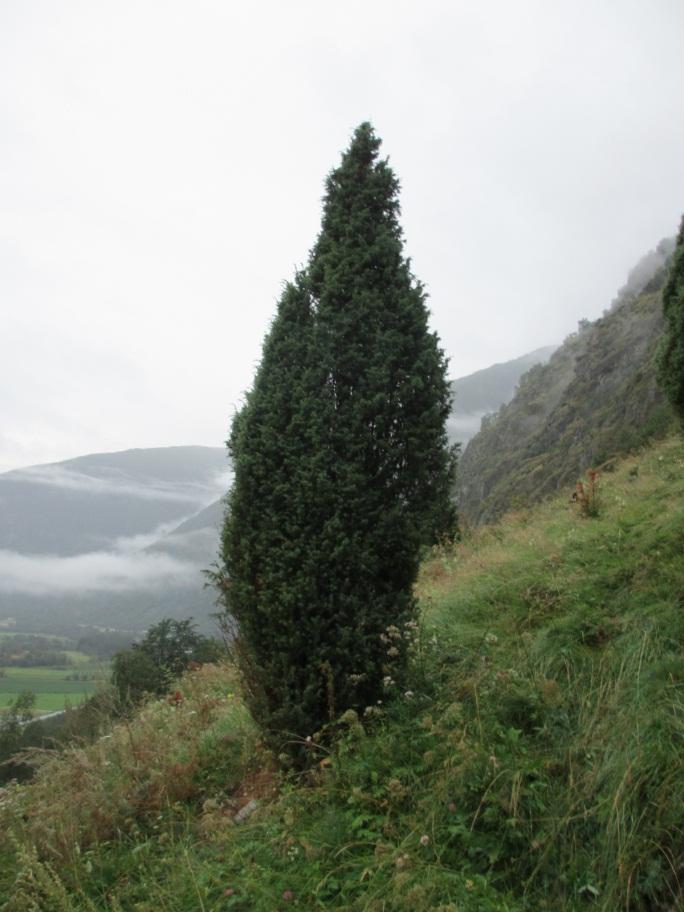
587, 495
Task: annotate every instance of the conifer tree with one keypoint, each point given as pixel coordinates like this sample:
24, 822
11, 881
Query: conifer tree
671, 354
342, 466
268, 546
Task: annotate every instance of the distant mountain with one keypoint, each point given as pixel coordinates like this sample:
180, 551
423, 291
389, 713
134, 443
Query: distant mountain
196, 539
210, 517
594, 399
485, 391
115, 539
87, 504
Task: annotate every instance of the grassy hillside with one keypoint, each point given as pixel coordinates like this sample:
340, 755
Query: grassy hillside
595, 398
534, 762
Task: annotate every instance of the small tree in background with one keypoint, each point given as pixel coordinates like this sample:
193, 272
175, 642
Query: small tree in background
342, 466
135, 675
163, 654
671, 354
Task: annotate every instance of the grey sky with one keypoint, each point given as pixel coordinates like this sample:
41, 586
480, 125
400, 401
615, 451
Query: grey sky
161, 168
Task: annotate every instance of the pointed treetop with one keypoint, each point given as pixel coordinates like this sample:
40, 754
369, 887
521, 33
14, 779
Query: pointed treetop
364, 146
361, 196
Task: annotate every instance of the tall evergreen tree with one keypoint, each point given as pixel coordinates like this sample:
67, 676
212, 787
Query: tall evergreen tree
671, 354
342, 465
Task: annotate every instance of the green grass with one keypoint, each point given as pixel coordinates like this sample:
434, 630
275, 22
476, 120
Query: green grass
51, 690
537, 765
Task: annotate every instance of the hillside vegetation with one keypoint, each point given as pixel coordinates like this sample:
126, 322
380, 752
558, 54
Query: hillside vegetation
536, 763
596, 398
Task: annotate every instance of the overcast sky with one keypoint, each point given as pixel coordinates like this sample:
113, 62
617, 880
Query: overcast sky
162, 164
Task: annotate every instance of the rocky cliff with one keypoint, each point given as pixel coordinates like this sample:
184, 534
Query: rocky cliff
594, 399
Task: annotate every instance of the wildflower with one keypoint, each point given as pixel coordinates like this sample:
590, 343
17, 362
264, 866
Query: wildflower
425, 840
229, 891
491, 638
393, 651
469, 885
409, 694
288, 895
451, 807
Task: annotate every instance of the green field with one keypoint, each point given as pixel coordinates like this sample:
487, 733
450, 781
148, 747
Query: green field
51, 690
53, 637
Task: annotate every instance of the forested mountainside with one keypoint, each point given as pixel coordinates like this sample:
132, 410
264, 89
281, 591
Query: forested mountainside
594, 399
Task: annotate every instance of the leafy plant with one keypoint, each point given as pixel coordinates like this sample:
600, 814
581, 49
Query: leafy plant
587, 495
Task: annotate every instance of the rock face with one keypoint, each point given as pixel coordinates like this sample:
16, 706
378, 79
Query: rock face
594, 399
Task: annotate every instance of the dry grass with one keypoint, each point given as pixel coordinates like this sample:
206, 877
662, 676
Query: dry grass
142, 768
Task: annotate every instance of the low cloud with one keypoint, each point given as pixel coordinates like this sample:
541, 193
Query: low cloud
60, 477
132, 544
98, 571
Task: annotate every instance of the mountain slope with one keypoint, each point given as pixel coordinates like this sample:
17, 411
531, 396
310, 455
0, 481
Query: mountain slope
536, 763
483, 392
115, 540
595, 398
85, 504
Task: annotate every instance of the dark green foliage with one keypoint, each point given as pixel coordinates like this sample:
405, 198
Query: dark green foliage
30, 651
13, 738
385, 379
172, 645
342, 467
134, 674
165, 652
671, 354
